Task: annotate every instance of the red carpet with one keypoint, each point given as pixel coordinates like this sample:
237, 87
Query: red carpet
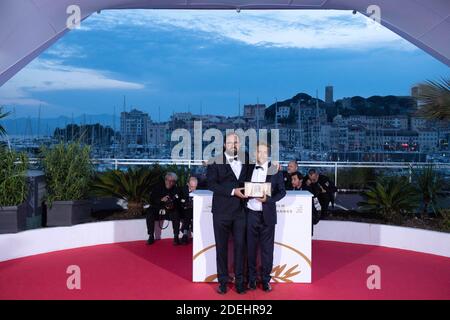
134, 270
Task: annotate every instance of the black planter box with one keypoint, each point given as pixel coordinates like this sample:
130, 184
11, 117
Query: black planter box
13, 219
68, 213
105, 204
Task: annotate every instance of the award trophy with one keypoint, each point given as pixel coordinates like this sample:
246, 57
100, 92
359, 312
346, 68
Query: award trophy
257, 189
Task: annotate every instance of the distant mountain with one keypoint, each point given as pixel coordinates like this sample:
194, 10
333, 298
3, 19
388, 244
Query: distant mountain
302, 98
31, 126
372, 106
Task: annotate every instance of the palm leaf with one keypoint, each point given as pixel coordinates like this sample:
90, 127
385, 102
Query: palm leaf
434, 99
392, 197
3, 115
133, 185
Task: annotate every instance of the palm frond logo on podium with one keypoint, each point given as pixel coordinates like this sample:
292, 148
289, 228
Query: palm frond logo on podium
280, 273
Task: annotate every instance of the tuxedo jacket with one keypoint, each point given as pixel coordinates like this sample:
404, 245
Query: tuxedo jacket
221, 181
278, 192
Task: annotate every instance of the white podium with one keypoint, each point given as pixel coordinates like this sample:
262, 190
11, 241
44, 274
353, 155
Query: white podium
292, 252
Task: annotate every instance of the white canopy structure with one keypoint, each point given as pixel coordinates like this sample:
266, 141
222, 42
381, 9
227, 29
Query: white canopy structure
28, 27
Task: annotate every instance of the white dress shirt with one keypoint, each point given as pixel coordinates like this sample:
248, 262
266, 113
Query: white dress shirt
259, 175
236, 166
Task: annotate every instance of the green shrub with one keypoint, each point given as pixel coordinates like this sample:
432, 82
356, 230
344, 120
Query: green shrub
13, 186
428, 185
133, 186
68, 171
392, 197
445, 219
3, 115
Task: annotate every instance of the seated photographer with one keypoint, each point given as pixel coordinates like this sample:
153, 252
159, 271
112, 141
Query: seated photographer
187, 207
164, 205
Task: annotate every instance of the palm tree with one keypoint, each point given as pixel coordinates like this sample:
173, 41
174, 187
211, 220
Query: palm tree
392, 197
434, 99
133, 186
3, 115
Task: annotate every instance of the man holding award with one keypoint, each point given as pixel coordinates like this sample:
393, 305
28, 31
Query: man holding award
264, 187
226, 175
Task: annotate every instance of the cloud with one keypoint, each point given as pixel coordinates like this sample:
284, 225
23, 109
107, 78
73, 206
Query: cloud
51, 75
13, 94
307, 29
64, 51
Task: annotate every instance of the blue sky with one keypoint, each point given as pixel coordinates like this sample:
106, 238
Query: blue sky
179, 60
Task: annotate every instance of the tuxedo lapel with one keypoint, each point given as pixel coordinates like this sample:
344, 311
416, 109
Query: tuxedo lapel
249, 168
268, 176
243, 175
228, 169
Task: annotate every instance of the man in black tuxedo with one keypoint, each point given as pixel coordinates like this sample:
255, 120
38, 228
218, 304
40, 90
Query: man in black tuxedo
262, 217
226, 176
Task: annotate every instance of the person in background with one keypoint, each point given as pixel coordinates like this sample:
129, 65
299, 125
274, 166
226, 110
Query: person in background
323, 188
164, 201
187, 207
300, 183
306, 185
297, 181
262, 217
292, 168
201, 176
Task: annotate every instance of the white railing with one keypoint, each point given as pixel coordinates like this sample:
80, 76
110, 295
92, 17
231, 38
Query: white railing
334, 165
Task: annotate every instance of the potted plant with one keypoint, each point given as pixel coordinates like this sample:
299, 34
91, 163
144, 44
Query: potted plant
132, 186
13, 191
68, 172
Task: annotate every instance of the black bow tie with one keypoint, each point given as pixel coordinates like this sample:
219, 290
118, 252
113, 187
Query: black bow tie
259, 167
233, 159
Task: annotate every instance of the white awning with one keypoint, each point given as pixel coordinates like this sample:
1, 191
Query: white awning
28, 27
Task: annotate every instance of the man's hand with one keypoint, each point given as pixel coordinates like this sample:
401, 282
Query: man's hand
164, 199
277, 165
238, 193
263, 199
